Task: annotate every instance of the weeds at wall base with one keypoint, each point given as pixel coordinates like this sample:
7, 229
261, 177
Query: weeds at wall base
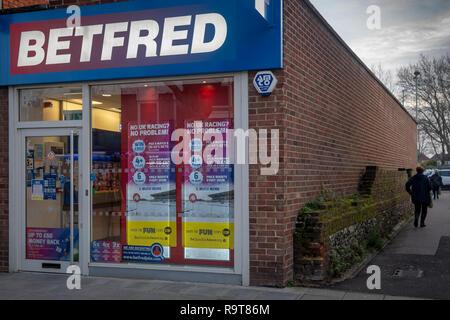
335, 235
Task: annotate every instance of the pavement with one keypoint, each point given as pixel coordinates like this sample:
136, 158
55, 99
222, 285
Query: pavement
417, 262
38, 286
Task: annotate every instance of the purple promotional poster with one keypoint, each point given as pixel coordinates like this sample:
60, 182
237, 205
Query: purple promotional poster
50, 244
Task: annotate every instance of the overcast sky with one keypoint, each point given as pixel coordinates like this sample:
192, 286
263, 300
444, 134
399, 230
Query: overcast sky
408, 28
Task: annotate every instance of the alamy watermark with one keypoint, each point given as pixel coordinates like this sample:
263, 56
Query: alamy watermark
374, 20
200, 144
74, 21
74, 281
374, 281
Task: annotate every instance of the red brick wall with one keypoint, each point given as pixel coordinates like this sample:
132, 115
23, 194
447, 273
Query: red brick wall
22, 3
52, 3
334, 120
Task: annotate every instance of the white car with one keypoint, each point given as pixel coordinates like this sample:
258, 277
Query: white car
445, 174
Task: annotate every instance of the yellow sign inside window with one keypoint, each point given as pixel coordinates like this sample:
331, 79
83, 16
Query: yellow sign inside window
208, 235
147, 233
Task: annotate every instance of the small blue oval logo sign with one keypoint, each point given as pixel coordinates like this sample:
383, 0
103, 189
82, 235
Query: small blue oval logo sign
265, 82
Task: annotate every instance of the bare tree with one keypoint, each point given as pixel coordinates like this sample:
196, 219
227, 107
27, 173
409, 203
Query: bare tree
433, 90
386, 77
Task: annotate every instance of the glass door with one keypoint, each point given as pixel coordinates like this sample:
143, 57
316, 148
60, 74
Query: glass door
51, 199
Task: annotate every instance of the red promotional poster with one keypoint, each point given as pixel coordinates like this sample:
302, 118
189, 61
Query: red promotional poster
151, 206
208, 188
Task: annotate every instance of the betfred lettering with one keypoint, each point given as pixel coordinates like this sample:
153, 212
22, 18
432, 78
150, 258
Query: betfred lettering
121, 40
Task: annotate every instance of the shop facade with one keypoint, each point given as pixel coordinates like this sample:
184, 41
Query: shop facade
95, 112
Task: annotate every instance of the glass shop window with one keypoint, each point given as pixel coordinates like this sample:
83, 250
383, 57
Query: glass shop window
51, 104
148, 205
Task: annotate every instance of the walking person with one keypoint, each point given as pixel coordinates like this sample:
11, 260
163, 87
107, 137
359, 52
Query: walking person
436, 183
419, 187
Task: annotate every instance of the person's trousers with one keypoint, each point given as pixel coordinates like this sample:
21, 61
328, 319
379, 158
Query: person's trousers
421, 210
436, 193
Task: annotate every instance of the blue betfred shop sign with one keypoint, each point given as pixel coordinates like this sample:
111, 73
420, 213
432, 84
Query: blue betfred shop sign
140, 39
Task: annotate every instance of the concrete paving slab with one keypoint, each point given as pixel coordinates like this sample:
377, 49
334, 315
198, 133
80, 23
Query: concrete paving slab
317, 297
180, 288
206, 291
266, 296
325, 292
400, 298
362, 296
237, 294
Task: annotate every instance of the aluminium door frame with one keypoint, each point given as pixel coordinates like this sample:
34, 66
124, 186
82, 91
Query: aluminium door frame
36, 265
16, 236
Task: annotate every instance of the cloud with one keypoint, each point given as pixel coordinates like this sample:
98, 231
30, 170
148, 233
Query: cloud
402, 44
409, 28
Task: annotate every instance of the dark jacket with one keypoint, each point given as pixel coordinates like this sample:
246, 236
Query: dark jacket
436, 181
419, 188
